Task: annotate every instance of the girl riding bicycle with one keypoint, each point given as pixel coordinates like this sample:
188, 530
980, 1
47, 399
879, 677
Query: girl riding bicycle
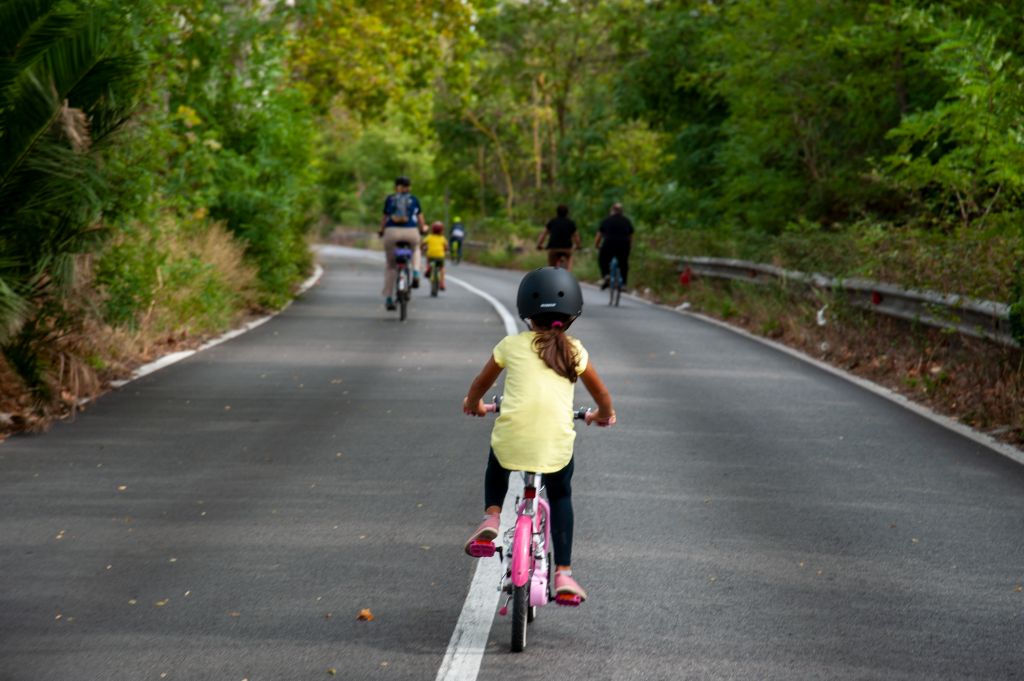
534, 431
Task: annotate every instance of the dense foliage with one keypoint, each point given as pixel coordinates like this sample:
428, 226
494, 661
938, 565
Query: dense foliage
163, 162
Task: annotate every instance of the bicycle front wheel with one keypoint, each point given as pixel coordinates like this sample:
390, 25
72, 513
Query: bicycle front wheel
520, 612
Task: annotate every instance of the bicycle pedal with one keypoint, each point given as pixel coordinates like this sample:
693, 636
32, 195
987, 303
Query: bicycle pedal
571, 600
482, 549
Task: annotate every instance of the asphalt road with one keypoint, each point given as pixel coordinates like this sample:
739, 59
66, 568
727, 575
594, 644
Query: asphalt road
750, 517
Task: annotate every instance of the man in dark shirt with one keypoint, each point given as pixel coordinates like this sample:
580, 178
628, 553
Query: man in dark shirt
614, 240
562, 238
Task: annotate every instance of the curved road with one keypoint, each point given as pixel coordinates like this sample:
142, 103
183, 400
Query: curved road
751, 517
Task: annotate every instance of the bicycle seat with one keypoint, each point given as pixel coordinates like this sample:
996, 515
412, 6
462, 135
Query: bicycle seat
403, 251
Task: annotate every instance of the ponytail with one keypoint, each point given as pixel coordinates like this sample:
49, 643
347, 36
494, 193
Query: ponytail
555, 349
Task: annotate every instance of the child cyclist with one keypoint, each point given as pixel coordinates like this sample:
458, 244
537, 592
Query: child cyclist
534, 431
436, 247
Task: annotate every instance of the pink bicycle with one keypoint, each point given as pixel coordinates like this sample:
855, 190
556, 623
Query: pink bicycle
526, 554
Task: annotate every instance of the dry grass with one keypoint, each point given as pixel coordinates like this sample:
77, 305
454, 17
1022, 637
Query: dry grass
84, 358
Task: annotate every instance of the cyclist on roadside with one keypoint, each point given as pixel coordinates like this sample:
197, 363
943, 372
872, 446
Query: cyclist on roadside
562, 238
436, 247
402, 221
534, 431
455, 238
614, 240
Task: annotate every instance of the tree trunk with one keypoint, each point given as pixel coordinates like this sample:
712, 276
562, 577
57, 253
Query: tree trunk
510, 190
481, 156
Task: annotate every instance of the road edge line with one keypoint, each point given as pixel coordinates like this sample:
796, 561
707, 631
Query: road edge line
175, 357
468, 644
976, 436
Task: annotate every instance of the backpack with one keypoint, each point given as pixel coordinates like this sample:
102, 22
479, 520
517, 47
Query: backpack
401, 208
457, 231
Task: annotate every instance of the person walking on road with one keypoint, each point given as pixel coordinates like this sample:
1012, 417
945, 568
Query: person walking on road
402, 221
614, 240
535, 429
562, 238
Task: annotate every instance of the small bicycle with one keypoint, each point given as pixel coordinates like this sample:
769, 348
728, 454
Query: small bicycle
614, 282
436, 267
403, 277
526, 553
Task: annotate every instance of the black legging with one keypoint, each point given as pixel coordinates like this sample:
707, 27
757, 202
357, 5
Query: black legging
559, 489
614, 250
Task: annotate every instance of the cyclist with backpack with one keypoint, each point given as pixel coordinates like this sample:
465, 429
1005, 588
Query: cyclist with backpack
402, 221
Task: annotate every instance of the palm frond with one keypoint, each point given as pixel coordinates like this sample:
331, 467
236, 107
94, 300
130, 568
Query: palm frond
27, 29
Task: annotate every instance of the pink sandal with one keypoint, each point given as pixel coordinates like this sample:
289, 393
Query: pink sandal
481, 543
567, 591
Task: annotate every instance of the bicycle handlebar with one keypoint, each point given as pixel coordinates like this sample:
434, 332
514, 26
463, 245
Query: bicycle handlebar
579, 414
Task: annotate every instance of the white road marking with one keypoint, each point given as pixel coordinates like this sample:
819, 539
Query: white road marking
984, 439
469, 640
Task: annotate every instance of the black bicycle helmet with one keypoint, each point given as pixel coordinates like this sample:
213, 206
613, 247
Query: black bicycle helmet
549, 290
403, 181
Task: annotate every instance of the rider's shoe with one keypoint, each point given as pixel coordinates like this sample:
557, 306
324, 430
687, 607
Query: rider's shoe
486, 531
442, 287
415, 279
389, 303
565, 584
605, 283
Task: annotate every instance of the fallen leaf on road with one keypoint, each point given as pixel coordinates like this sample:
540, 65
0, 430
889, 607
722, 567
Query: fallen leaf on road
327, 615
365, 615
132, 601
332, 671
162, 602
1019, 588
121, 488
234, 613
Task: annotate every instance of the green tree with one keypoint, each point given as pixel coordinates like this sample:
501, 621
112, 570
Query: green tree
64, 89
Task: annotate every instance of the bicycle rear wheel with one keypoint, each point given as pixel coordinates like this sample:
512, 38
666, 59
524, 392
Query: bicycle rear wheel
614, 283
520, 615
402, 293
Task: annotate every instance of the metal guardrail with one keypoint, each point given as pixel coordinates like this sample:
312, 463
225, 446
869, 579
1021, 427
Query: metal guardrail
971, 316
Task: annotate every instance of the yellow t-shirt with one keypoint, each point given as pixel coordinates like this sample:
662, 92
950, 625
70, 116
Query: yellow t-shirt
534, 431
437, 246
